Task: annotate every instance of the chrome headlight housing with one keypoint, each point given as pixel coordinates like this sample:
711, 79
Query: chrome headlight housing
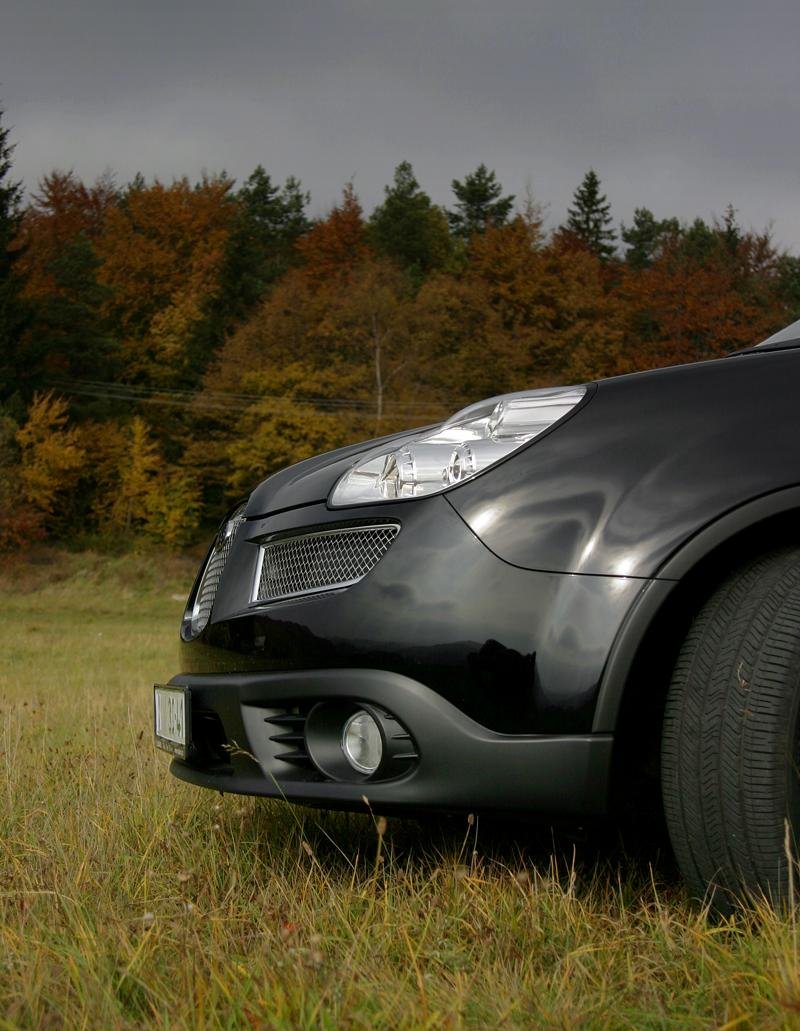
466, 444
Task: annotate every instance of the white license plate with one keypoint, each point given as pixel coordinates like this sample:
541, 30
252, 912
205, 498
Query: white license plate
172, 716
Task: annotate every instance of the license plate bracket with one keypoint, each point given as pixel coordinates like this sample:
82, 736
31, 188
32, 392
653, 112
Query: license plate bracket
172, 718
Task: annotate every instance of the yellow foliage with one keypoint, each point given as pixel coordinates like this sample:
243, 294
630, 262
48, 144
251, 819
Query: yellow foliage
139, 468
273, 434
19, 524
172, 508
466, 352
51, 458
137, 492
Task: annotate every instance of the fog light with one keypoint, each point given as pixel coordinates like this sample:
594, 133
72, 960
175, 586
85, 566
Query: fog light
362, 743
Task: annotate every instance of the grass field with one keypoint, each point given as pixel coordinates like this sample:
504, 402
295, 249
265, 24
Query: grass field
128, 899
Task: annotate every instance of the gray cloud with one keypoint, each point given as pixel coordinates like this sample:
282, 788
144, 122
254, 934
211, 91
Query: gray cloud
683, 107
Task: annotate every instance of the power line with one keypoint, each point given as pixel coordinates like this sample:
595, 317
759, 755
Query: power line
223, 400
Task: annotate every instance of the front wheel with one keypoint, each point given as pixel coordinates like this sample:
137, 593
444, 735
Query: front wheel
729, 755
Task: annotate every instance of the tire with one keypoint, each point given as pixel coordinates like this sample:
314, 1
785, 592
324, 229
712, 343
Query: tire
729, 754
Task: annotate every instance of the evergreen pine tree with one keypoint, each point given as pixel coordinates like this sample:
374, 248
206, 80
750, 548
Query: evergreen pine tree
788, 285
69, 335
408, 227
268, 221
589, 218
730, 230
645, 235
12, 308
480, 203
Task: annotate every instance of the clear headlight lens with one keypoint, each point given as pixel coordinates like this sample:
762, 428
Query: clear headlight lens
460, 448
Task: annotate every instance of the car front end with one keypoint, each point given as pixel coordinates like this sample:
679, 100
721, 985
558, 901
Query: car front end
430, 621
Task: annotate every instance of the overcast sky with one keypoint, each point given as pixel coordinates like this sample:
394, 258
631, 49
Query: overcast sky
682, 107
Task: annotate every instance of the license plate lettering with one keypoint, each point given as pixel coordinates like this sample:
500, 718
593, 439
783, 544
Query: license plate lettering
171, 717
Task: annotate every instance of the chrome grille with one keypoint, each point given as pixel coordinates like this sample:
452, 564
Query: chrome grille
207, 591
321, 560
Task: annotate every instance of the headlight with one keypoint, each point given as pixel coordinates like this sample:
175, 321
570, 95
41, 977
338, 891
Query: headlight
459, 449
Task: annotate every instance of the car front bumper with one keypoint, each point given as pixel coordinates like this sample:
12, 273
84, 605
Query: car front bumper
239, 735
491, 670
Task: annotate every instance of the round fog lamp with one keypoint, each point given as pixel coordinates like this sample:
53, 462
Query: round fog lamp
362, 743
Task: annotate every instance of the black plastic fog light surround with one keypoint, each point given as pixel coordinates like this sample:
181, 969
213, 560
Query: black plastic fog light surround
324, 735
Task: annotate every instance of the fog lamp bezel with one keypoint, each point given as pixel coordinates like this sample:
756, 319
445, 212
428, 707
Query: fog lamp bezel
324, 729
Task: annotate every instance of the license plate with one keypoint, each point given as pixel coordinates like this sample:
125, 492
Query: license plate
173, 719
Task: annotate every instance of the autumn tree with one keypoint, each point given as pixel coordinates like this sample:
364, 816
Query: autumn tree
51, 457
710, 290
62, 209
551, 299
162, 249
508, 260
589, 218
345, 341
464, 350
337, 244
67, 333
12, 307
408, 228
20, 524
140, 493
479, 203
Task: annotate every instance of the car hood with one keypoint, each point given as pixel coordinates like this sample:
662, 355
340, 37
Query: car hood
311, 481
787, 337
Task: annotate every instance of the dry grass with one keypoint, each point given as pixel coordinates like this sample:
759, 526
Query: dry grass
128, 899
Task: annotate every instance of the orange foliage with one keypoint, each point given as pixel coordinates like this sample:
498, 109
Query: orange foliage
552, 300
162, 251
61, 210
345, 345
347, 342
687, 307
337, 244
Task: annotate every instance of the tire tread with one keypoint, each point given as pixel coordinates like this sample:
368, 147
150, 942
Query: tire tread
729, 734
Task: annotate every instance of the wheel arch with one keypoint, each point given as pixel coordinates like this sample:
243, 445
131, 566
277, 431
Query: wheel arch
634, 685
699, 562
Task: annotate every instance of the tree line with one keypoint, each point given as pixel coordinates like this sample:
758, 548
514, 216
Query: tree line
164, 346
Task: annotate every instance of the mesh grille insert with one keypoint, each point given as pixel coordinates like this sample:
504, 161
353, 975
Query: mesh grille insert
207, 591
322, 560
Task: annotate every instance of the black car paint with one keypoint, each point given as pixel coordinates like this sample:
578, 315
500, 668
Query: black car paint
518, 597
654, 458
516, 650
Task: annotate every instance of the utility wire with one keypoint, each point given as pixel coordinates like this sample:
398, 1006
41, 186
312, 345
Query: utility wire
223, 400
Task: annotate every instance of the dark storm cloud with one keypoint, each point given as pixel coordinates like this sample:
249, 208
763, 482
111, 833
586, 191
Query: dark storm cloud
683, 107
